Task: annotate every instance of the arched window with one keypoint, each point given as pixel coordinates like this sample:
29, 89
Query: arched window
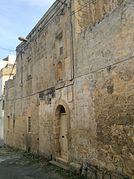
60, 110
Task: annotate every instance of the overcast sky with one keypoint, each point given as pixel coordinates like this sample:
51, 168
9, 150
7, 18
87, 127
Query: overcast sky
17, 18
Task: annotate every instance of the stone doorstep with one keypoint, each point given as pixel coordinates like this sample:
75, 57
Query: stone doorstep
74, 167
58, 164
61, 160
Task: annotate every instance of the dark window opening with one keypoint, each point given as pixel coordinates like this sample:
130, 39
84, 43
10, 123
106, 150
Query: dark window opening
13, 123
59, 71
61, 50
8, 118
62, 110
3, 105
29, 69
29, 124
29, 149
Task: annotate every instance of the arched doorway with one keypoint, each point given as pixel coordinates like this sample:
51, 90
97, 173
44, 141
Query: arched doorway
61, 133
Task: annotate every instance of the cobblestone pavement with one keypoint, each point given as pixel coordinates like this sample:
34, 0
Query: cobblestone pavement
22, 165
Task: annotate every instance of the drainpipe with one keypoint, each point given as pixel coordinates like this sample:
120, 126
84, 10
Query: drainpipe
14, 102
72, 41
23, 40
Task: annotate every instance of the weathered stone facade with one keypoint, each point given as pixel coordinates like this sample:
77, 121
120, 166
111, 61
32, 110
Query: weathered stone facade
72, 97
7, 72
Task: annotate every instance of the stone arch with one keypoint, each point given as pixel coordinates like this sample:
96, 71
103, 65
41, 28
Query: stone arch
60, 110
61, 127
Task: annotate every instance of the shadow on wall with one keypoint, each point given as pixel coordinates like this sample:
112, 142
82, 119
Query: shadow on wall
1, 129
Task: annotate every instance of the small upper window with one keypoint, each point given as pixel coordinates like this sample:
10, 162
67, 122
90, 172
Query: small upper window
61, 50
8, 118
3, 105
59, 71
29, 69
62, 110
29, 124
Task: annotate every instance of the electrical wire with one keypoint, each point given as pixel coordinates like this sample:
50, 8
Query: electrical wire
130, 58
83, 6
6, 49
50, 20
12, 70
46, 23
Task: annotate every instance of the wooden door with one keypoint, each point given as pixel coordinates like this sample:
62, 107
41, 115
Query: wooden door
63, 137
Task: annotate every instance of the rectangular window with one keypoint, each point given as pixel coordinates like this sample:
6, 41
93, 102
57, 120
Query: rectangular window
3, 104
61, 50
13, 121
29, 69
29, 124
8, 118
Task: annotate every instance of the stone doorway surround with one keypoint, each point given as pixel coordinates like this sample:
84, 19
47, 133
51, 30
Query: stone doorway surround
61, 138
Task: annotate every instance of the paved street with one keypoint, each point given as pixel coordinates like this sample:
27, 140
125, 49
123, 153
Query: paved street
1, 142
1, 128
20, 165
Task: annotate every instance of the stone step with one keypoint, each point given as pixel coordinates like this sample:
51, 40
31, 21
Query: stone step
61, 160
58, 164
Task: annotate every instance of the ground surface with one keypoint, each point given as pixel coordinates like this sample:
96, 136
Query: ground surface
20, 165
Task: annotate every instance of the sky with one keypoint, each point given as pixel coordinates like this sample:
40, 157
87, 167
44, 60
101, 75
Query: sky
17, 18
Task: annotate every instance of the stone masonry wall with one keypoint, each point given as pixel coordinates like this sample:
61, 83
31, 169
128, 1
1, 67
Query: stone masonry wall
98, 96
90, 12
43, 77
103, 130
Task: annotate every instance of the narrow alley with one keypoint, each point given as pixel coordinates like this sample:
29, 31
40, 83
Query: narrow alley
67, 93
22, 165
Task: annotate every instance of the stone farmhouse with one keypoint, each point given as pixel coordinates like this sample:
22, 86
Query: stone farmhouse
72, 99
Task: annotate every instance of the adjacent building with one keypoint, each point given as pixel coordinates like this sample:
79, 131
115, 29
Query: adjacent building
7, 72
72, 97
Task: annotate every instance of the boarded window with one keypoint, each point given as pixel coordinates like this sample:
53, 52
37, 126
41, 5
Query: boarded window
59, 71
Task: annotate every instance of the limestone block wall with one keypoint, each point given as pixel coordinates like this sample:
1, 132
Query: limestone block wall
90, 12
44, 67
102, 132
98, 97
63, 96
8, 122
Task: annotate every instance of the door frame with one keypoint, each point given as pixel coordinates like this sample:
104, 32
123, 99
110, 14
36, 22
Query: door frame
56, 129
